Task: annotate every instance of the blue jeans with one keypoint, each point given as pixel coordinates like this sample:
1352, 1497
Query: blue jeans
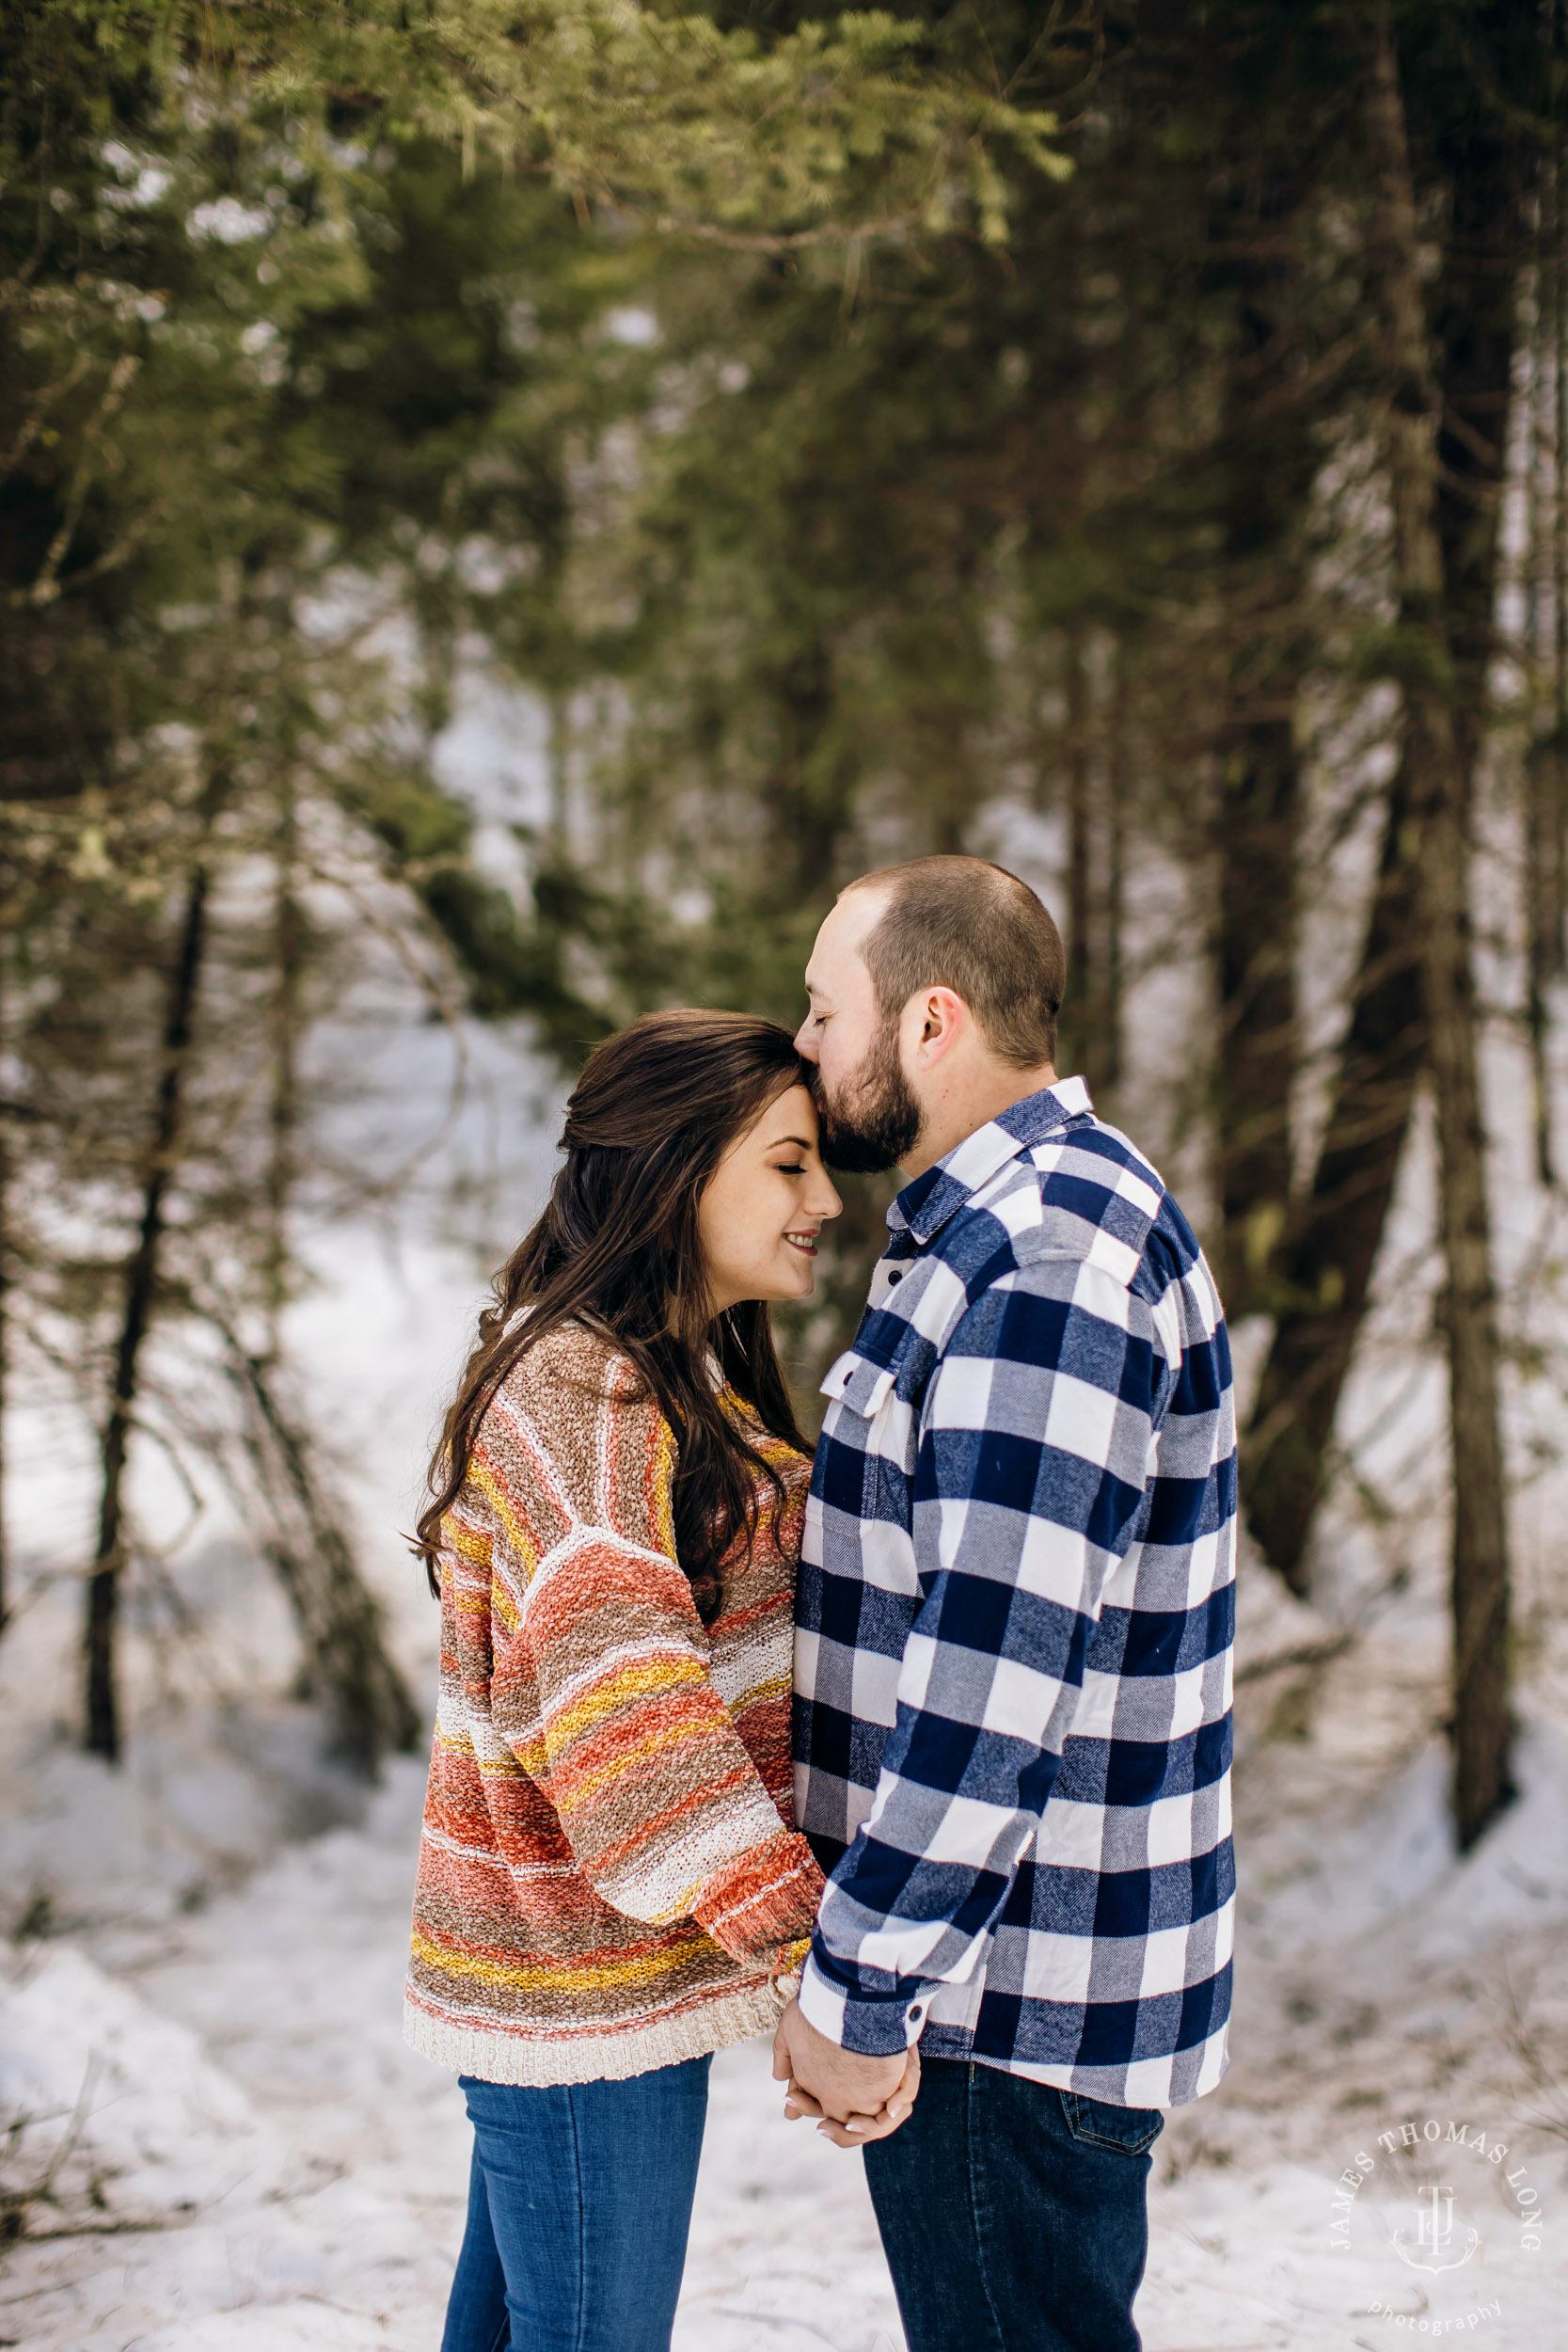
1014, 2216
579, 2202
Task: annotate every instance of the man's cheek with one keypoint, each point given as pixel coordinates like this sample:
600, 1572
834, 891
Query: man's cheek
837, 1068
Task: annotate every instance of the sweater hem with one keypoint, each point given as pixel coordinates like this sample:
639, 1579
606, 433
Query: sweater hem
536, 2062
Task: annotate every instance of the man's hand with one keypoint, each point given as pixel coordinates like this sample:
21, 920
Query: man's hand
859, 2129
852, 2099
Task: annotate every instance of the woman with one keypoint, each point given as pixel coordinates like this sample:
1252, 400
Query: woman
609, 1888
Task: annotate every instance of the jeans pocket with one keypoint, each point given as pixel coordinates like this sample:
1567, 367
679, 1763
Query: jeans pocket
1131, 2131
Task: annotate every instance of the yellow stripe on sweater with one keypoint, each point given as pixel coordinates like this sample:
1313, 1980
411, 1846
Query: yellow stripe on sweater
469, 1541
500, 1502
659, 1673
539, 1980
755, 1692
664, 1485
500, 1764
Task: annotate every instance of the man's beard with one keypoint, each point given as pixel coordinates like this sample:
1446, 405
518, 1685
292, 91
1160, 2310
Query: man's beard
874, 1121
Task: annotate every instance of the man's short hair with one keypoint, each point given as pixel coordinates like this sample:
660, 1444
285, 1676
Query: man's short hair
965, 923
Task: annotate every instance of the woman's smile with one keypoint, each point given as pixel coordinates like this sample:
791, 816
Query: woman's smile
773, 1169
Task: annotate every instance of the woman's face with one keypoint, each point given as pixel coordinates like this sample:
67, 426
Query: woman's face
765, 1204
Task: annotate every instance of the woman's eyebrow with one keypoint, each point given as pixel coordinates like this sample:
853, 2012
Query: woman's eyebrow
779, 1142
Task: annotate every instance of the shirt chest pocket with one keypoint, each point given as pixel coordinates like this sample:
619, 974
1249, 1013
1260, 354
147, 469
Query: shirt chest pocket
867, 1472
860, 1384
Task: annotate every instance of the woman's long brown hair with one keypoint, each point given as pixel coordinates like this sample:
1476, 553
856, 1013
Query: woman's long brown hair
656, 1109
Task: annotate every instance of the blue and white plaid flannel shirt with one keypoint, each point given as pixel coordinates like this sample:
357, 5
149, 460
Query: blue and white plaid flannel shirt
1012, 1715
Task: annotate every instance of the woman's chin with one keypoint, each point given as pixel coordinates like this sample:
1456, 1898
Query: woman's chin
797, 1278
798, 1281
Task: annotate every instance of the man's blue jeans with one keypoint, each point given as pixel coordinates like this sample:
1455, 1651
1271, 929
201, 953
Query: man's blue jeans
579, 2202
1014, 2216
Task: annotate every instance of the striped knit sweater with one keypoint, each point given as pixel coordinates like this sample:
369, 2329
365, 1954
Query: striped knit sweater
607, 1878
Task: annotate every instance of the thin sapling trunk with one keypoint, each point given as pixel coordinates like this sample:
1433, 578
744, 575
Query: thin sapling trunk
1481, 1719
101, 1725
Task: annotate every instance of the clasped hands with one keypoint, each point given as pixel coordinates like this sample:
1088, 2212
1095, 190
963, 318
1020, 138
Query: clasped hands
851, 2099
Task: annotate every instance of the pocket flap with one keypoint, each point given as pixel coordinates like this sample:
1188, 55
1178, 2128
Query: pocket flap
858, 1383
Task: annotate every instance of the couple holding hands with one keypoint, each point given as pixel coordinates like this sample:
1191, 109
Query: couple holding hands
915, 1754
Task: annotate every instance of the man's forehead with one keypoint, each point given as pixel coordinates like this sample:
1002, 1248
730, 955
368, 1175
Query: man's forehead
847, 923
835, 964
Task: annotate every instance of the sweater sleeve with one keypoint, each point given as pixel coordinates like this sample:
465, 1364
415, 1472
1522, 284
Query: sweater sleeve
664, 1810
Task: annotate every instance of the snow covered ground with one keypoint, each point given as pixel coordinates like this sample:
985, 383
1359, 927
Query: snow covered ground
252, 2159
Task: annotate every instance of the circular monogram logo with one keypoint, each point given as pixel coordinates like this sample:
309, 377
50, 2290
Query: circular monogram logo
1436, 2215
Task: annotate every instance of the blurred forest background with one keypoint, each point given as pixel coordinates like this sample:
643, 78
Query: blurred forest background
1123, 438
1087, 426
1100, 414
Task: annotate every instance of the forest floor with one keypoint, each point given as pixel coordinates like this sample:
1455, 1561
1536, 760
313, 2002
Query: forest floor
251, 2159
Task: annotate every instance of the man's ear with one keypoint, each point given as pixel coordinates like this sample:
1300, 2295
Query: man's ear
942, 1019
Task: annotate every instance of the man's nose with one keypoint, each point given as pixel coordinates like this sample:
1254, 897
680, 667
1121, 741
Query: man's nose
806, 1044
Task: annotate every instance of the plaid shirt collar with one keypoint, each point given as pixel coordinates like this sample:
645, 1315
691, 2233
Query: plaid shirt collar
922, 1208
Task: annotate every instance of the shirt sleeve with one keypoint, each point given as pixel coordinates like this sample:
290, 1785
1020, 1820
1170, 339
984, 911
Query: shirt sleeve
1035, 1446
665, 1812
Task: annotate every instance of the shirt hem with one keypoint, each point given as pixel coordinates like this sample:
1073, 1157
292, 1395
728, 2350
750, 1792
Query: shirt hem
1090, 2081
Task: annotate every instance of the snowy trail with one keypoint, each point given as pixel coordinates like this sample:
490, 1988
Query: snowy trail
251, 2097
327, 2164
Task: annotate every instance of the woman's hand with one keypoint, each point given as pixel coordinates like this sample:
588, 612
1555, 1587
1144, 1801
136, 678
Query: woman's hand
856, 2130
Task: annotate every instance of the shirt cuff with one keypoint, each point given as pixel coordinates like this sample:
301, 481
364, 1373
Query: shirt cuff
871, 2025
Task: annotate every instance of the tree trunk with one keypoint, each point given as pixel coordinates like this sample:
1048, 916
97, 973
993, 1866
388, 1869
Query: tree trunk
1091, 1005
1118, 776
1269, 461
1556, 267
289, 944
5, 1285
808, 798
101, 1732
1078, 1009
1542, 890
807, 802
339, 1620
1260, 822
560, 759
1326, 1271
1440, 794
1542, 879
1325, 1268
346, 1662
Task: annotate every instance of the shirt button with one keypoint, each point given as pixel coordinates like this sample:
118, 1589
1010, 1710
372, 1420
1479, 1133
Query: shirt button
895, 1275
916, 2014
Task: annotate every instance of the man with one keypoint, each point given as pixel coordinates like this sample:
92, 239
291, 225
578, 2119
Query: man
1012, 1728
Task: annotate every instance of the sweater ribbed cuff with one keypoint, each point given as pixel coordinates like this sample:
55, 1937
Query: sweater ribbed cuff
764, 1905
